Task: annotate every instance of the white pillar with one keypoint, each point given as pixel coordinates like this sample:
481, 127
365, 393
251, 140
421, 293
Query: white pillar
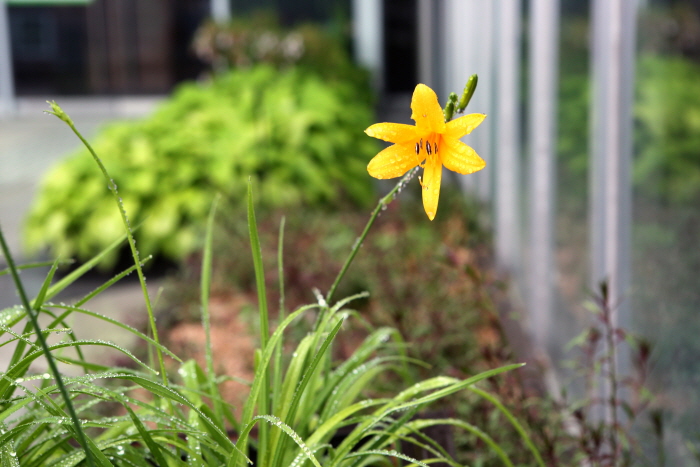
613, 52
468, 49
507, 149
7, 87
613, 33
544, 68
368, 38
221, 11
429, 60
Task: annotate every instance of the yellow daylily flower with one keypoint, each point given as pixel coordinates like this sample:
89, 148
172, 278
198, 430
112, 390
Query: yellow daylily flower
431, 143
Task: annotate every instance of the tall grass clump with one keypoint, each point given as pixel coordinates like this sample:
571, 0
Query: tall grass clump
302, 409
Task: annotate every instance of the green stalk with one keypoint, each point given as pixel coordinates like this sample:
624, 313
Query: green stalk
31, 312
277, 370
383, 203
264, 401
205, 286
58, 112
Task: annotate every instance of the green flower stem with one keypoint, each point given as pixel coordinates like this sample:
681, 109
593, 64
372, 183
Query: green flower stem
58, 112
383, 203
31, 312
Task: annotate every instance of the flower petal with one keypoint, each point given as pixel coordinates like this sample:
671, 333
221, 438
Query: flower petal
432, 176
460, 158
463, 125
393, 132
394, 161
426, 110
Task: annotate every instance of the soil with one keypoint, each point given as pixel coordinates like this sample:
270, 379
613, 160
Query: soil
232, 344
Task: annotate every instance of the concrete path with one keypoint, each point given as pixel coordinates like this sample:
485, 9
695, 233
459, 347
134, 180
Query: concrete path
30, 143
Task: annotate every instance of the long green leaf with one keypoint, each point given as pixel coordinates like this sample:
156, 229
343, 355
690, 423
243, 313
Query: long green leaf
155, 449
112, 186
513, 421
264, 400
41, 296
121, 325
382, 452
205, 286
440, 386
82, 269
292, 434
255, 389
299, 393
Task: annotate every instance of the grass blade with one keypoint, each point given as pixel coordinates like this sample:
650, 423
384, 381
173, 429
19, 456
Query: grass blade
513, 421
205, 287
264, 400
58, 112
80, 434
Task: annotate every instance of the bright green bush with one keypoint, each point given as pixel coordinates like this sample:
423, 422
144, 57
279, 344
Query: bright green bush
293, 132
668, 137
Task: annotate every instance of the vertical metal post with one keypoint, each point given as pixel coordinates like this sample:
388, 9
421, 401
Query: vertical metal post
614, 29
613, 48
468, 36
544, 63
368, 37
7, 87
507, 135
428, 57
484, 45
221, 11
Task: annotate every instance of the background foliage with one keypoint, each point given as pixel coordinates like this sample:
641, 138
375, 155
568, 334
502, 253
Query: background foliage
258, 38
297, 134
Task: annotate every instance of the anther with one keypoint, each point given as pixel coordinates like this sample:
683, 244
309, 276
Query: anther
417, 149
427, 148
436, 147
425, 187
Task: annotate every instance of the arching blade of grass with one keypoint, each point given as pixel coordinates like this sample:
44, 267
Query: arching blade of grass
291, 434
513, 421
436, 388
384, 453
70, 278
107, 284
154, 447
38, 264
415, 427
119, 324
58, 112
